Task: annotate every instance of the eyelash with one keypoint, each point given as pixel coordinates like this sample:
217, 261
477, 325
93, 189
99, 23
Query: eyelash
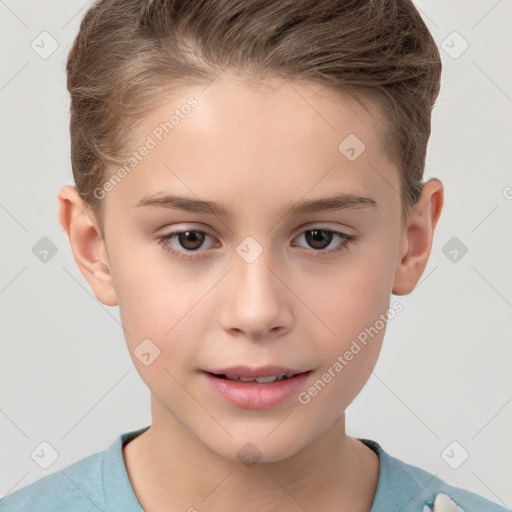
164, 241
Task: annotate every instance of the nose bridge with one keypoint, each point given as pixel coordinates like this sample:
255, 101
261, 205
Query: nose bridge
252, 269
256, 300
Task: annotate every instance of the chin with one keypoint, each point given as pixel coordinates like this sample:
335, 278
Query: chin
258, 448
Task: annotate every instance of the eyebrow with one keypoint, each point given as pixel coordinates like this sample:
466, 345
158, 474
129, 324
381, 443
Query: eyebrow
343, 201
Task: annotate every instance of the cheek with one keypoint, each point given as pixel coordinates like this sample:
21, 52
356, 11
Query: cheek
140, 275
160, 303
354, 324
351, 308
353, 297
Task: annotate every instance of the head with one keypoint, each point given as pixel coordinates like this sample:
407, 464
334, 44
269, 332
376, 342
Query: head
260, 108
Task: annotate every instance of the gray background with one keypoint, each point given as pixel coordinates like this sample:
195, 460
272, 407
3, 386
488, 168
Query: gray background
444, 373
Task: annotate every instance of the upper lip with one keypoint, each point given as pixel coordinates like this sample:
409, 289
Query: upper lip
262, 371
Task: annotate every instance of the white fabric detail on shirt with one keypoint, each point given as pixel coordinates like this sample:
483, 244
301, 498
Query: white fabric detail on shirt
443, 503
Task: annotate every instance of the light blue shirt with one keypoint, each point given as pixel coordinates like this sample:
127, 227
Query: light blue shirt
99, 482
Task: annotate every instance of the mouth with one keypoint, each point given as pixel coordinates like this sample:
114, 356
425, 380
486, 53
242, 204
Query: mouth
260, 379
256, 388
262, 375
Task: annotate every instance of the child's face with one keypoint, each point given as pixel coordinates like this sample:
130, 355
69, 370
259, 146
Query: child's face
293, 305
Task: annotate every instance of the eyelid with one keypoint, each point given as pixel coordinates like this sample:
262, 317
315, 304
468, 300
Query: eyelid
345, 230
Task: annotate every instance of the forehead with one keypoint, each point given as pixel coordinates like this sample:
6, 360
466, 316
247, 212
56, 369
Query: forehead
262, 140
289, 109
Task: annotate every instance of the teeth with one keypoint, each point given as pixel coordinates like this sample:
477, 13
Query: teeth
262, 380
271, 378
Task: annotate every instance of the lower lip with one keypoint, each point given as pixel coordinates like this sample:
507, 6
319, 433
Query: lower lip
255, 395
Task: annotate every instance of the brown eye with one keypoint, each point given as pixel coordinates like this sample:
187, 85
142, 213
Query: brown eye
191, 240
321, 240
317, 238
185, 243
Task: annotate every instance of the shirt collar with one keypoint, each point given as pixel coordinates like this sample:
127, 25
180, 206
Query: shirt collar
401, 486
119, 493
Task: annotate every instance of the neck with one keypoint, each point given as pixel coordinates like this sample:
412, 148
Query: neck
170, 469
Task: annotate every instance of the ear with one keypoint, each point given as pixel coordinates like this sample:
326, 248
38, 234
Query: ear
87, 244
417, 237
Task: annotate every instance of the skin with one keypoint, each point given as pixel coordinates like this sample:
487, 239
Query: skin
254, 150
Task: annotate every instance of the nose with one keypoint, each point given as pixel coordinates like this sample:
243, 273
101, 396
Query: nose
256, 303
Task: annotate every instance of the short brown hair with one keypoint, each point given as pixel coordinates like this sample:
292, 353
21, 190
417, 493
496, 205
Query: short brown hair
128, 51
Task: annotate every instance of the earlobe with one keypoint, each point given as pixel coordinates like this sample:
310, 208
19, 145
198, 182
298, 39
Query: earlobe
418, 237
87, 244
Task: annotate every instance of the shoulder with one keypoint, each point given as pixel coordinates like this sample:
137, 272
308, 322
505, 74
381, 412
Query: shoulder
76, 487
96, 483
416, 490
